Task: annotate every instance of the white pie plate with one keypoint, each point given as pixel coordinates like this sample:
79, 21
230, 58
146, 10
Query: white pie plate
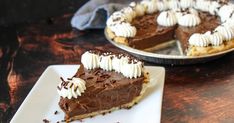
42, 101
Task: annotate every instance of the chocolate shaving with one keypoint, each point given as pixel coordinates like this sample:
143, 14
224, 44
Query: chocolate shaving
113, 81
59, 88
231, 14
69, 78
76, 88
100, 80
105, 76
56, 112
46, 121
90, 78
66, 106
82, 74
96, 72
63, 120
71, 85
62, 79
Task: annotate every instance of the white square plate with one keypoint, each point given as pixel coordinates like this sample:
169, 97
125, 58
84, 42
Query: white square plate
42, 101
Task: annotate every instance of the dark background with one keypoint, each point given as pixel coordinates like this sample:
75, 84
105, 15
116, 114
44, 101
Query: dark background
13, 12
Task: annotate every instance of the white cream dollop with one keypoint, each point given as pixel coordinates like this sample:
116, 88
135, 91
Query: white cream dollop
226, 31
225, 12
150, 6
181, 12
106, 62
124, 30
126, 65
167, 18
189, 20
132, 70
216, 38
186, 3
118, 63
173, 4
214, 7
90, 60
161, 4
203, 5
71, 88
129, 11
199, 40
139, 8
229, 23
114, 20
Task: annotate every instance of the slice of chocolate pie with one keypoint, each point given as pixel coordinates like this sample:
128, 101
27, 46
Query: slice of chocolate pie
201, 26
104, 82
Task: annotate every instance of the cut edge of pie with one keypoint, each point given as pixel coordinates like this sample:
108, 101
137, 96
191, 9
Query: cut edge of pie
191, 51
99, 90
125, 106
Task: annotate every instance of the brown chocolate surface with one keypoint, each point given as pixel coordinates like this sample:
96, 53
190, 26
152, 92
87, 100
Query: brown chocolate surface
149, 33
104, 90
208, 23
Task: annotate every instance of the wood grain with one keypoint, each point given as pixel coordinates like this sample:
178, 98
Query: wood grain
193, 93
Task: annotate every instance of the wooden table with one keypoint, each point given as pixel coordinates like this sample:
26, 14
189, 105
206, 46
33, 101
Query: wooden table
192, 93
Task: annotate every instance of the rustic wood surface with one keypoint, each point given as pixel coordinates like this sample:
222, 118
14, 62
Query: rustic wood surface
192, 93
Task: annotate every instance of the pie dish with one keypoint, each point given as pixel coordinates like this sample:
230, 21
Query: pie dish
203, 27
105, 82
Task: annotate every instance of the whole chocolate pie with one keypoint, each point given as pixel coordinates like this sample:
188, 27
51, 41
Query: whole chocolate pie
105, 81
202, 26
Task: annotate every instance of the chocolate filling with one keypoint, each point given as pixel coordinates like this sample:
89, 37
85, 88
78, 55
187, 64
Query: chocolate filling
104, 90
149, 33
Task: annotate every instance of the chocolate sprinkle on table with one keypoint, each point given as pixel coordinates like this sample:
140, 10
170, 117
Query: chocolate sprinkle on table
56, 112
46, 121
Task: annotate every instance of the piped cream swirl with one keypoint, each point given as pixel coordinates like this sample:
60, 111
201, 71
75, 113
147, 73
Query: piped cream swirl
186, 3
214, 7
173, 4
167, 18
124, 30
189, 20
203, 5
126, 65
199, 40
106, 62
129, 11
139, 8
118, 63
71, 88
132, 70
215, 38
225, 12
162, 5
90, 60
150, 6
227, 32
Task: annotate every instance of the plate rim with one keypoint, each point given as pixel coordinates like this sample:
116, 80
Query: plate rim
163, 56
51, 68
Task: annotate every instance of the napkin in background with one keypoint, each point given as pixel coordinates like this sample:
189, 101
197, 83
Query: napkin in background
93, 14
